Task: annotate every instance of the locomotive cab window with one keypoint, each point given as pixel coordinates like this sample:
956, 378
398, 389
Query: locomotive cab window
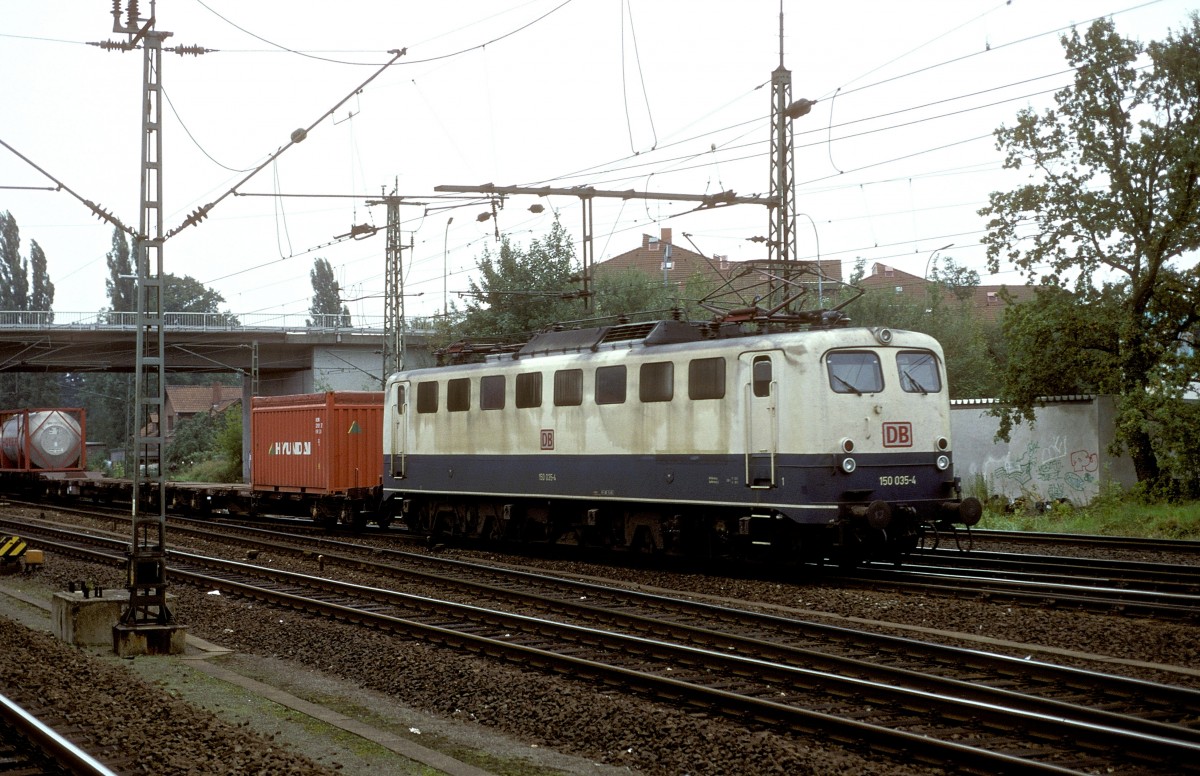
610, 385
854, 371
568, 388
529, 390
427, 397
491, 392
458, 394
918, 371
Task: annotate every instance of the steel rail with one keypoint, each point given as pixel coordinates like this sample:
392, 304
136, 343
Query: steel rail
1102, 737
48, 742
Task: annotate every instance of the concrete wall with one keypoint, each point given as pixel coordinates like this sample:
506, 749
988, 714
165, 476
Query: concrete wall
1064, 454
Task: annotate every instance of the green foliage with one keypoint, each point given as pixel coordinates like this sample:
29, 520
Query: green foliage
14, 269
969, 344
120, 284
520, 291
17, 389
41, 292
229, 444
1114, 514
1112, 214
188, 295
327, 308
206, 439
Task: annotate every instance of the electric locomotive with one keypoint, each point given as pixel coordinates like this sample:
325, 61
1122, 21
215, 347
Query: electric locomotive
824, 444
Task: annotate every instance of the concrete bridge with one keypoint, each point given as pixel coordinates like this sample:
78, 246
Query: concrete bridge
290, 353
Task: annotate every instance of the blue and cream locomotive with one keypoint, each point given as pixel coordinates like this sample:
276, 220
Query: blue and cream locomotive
819, 444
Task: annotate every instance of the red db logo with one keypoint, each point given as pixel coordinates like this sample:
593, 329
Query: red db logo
897, 434
547, 439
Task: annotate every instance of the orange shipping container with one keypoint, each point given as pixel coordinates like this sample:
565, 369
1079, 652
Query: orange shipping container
324, 443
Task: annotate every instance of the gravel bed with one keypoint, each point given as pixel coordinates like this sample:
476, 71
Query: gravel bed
114, 709
608, 727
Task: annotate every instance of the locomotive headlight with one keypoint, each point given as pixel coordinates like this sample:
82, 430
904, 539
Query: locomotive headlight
942, 443
943, 462
847, 445
849, 465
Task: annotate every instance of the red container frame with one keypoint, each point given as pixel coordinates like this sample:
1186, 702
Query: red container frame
321, 443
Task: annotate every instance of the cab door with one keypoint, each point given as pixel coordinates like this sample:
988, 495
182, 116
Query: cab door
760, 415
399, 443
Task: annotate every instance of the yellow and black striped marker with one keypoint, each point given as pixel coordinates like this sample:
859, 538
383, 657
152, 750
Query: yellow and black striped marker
11, 548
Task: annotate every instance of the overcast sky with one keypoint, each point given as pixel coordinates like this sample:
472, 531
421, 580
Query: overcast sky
664, 96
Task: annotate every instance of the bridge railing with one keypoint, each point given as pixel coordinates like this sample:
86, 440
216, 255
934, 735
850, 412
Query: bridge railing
300, 322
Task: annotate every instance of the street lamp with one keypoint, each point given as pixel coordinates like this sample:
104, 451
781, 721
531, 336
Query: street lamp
446, 269
933, 253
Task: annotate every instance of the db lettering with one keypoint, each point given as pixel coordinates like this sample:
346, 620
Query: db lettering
897, 434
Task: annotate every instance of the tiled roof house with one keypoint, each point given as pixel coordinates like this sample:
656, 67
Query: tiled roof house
986, 300
660, 257
184, 401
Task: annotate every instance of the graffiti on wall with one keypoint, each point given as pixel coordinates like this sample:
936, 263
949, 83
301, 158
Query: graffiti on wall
1048, 469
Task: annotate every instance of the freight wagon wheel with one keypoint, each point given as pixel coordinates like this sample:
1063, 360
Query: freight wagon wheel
353, 517
322, 516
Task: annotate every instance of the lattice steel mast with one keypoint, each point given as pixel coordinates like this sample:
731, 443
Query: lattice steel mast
147, 580
393, 304
781, 252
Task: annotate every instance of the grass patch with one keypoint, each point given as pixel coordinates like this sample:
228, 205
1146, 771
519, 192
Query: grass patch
1106, 516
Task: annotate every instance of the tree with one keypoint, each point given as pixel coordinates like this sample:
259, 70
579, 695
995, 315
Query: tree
1111, 214
521, 291
41, 293
14, 270
960, 281
120, 284
327, 308
631, 291
16, 389
188, 295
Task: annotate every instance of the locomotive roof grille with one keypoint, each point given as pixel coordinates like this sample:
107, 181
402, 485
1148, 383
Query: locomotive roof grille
575, 340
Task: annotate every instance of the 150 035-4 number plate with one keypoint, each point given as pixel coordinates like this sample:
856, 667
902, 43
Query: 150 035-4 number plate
898, 479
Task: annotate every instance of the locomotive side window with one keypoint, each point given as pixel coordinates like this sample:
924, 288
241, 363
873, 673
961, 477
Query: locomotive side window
400, 398
610, 385
760, 378
427, 397
706, 378
529, 390
568, 388
458, 394
855, 371
491, 392
656, 382
918, 371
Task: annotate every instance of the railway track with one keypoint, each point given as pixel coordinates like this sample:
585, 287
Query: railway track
1137, 588
764, 668
968, 538
30, 746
